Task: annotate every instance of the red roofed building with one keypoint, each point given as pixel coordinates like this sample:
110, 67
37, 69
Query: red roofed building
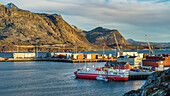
156, 62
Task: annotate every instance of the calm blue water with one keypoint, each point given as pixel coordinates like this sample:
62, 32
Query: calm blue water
56, 79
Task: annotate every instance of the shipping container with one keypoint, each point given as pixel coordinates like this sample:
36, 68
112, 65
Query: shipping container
88, 56
93, 56
68, 55
80, 56
75, 56
99, 57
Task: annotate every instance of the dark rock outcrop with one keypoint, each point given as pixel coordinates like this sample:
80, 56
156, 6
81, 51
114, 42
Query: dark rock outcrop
158, 84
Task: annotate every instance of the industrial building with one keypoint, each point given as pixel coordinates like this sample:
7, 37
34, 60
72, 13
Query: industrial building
129, 54
156, 61
134, 61
59, 55
118, 65
23, 55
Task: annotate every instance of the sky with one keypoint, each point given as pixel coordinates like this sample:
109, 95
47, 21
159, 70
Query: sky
133, 18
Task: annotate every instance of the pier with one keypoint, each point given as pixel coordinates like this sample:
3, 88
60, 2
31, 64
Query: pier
55, 60
139, 75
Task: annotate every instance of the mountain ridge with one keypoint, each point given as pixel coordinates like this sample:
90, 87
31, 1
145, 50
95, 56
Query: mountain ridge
104, 36
142, 43
22, 27
12, 5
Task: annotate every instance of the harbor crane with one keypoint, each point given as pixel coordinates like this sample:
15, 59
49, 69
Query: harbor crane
120, 53
151, 52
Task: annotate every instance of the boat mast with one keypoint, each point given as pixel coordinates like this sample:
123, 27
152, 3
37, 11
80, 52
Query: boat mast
85, 65
117, 45
151, 52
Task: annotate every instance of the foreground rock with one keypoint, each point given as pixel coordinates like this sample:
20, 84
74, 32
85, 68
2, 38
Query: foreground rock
158, 84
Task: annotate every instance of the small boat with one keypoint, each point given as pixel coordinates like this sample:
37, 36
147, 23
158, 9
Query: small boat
101, 78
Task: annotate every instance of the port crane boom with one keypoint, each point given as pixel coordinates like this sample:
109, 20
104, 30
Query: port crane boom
117, 45
151, 52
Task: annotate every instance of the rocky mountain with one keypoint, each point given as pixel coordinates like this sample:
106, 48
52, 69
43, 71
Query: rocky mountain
12, 5
158, 84
80, 31
101, 36
21, 27
161, 45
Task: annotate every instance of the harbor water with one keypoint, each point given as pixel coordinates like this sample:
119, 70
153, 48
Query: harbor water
56, 79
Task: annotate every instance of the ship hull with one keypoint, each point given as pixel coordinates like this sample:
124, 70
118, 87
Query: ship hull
93, 76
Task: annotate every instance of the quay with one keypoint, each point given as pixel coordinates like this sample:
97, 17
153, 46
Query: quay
55, 59
139, 75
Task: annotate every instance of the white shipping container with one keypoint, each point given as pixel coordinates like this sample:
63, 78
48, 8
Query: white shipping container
161, 68
23, 55
110, 55
75, 55
64, 53
141, 55
88, 56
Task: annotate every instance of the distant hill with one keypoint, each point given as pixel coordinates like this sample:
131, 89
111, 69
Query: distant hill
101, 36
24, 28
105, 37
130, 40
161, 45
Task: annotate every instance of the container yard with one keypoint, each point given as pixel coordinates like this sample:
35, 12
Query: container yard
61, 57
140, 66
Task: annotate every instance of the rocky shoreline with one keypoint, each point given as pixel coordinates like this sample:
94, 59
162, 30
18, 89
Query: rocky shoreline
157, 84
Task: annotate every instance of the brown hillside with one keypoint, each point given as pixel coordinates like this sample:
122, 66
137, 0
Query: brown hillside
101, 36
20, 27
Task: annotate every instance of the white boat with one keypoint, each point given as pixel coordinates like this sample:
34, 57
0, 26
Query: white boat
101, 78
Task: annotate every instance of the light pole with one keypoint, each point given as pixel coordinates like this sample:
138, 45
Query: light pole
37, 51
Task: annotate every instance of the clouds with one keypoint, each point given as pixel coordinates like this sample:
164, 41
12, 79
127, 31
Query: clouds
128, 16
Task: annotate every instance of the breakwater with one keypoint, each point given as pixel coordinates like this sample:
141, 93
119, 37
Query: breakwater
139, 75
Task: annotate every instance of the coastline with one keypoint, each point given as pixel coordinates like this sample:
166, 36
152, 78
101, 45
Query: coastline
157, 84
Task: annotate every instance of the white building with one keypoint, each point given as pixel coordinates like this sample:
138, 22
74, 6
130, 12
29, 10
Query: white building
68, 55
132, 60
23, 55
130, 54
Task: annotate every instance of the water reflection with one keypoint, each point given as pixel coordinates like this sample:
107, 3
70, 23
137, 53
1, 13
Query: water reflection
55, 79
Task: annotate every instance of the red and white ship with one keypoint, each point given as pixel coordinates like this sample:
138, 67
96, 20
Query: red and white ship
109, 73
